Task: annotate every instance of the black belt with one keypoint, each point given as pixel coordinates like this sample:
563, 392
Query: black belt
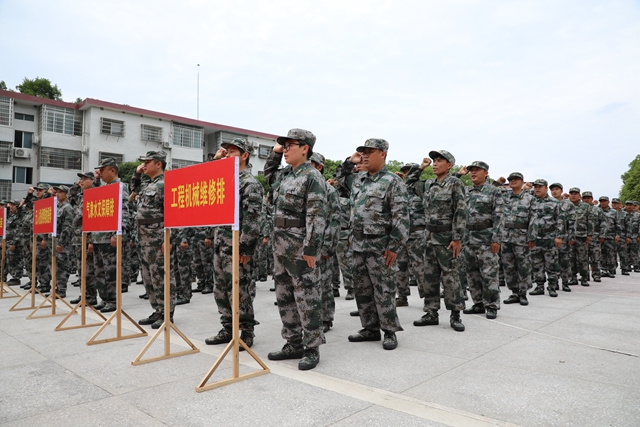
149, 221
482, 225
361, 235
517, 226
418, 228
439, 228
345, 228
287, 223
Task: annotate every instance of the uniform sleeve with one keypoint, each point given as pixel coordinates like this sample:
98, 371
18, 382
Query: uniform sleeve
272, 170
531, 231
252, 199
460, 210
315, 214
332, 232
345, 174
400, 222
496, 216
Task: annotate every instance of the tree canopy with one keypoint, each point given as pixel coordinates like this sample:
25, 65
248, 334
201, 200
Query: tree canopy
3, 85
631, 182
40, 87
126, 170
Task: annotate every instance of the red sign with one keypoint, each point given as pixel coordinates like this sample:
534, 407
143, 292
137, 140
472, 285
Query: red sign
3, 225
202, 195
45, 212
102, 209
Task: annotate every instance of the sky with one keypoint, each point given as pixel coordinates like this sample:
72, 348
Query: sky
547, 88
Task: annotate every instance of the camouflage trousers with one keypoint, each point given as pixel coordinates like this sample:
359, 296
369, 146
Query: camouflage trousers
105, 269
517, 266
608, 259
564, 262
14, 261
335, 271
326, 286
462, 272
402, 276
441, 266
345, 258
181, 267
43, 264
621, 249
134, 264
203, 262
91, 290
64, 262
482, 275
501, 279
632, 254
545, 264
595, 255
415, 248
27, 251
580, 259
374, 285
260, 260
298, 292
223, 288
150, 240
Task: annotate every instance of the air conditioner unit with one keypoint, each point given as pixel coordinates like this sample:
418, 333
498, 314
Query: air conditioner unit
21, 153
167, 144
36, 140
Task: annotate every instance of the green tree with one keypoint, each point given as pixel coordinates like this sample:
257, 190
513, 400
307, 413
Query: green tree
631, 181
126, 170
3, 85
262, 180
330, 167
40, 87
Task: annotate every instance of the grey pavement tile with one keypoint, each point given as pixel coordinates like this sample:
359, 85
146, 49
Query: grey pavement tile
611, 319
616, 304
108, 412
606, 337
377, 416
531, 398
15, 353
41, 387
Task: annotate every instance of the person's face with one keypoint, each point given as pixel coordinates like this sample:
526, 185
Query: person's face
556, 192
515, 183
588, 200
61, 195
85, 183
108, 173
294, 153
616, 205
540, 191
478, 175
574, 196
441, 166
604, 204
628, 207
151, 167
13, 208
317, 166
39, 193
373, 158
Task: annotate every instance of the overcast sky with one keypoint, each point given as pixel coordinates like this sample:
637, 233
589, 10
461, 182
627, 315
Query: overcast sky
547, 88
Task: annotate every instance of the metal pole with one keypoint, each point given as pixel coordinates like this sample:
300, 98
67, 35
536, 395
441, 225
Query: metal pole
198, 107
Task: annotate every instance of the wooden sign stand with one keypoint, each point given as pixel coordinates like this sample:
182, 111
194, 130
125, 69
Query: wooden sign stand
33, 291
235, 342
53, 296
168, 324
119, 311
4, 288
82, 305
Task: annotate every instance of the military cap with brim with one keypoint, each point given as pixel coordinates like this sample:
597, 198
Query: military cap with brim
409, 166
587, 194
605, 198
628, 202
317, 158
241, 143
108, 161
541, 182
615, 200
478, 164
513, 175
15, 202
635, 203
62, 188
444, 154
377, 143
5, 202
154, 155
301, 135
574, 190
89, 175
557, 184
42, 186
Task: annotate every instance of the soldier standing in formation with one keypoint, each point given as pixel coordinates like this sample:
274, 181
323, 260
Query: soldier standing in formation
582, 237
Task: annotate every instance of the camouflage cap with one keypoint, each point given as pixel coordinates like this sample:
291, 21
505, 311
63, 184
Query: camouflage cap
513, 175
635, 203
409, 166
557, 184
380, 144
541, 182
605, 198
615, 200
89, 175
628, 202
574, 190
587, 194
42, 186
478, 164
241, 143
154, 155
301, 135
444, 154
317, 158
62, 188
4, 202
108, 161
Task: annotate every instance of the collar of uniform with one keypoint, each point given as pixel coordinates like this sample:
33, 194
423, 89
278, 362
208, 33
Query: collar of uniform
375, 177
157, 178
479, 187
115, 181
297, 171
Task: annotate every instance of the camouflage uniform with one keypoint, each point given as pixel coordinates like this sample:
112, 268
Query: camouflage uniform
483, 228
609, 245
203, 259
181, 264
26, 237
299, 197
64, 229
568, 218
76, 241
621, 247
14, 258
599, 231
417, 244
633, 248
579, 250
548, 225
344, 252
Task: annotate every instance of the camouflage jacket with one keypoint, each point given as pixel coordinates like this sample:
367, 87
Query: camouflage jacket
77, 220
26, 226
332, 230
484, 223
584, 220
151, 200
444, 205
599, 223
64, 225
546, 218
621, 218
298, 195
14, 227
633, 225
251, 202
345, 218
568, 216
105, 238
517, 218
611, 227
416, 209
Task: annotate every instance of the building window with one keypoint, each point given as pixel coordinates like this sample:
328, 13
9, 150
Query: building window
102, 155
60, 158
179, 163
151, 133
264, 151
61, 120
5, 189
6, 111
188, 136
6, 151
23, 139
111, 127
27, 117
22, 175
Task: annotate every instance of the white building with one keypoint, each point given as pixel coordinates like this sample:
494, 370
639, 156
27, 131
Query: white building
42, 140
